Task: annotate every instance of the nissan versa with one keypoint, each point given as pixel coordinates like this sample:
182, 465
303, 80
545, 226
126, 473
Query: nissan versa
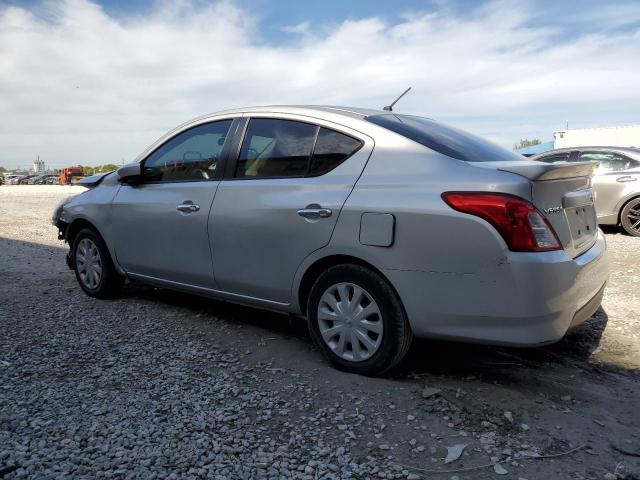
375, 226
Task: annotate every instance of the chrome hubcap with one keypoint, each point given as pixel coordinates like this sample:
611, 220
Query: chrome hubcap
88, 263
350, 322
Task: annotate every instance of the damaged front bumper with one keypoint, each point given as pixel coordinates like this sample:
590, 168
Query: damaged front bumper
58, 220
62, 227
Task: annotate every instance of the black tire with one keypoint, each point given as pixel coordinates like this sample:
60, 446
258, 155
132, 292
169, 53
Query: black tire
629, 217
396, 336
110, 282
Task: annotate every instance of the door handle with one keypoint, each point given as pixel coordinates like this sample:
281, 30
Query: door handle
626, 178
188, 207
314, 211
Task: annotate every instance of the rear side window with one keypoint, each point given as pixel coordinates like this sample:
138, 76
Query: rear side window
331, 149
287, 148
608, 161
444, 139
555, 158
275, 148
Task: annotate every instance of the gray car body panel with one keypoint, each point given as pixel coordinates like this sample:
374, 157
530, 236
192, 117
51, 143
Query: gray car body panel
613, 189
613, 195
251, 255
453, 272
95, 206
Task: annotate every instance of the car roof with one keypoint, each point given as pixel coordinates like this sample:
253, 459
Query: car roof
352, 117
308, 110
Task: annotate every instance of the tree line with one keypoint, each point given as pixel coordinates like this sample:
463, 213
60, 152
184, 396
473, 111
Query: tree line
525, 142
109, 167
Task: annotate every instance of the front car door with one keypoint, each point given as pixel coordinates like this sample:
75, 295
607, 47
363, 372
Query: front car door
612, 182
160, 225
280, 201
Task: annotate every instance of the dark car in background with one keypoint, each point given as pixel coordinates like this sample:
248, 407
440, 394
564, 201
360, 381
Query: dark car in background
24, 180
35, 180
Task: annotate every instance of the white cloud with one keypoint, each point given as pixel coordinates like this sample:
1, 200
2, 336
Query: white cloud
301, 28
77, 85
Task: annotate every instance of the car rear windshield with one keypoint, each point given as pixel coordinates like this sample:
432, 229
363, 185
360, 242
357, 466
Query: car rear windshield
444, 139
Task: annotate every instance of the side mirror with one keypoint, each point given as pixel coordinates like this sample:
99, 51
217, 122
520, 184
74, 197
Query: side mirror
130, 173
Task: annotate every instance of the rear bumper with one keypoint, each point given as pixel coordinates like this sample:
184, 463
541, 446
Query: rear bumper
587, 310
523, 299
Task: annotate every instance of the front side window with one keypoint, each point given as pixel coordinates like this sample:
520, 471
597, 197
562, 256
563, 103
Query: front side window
443, 139
191, 155
555, 158
608, 162
275, 148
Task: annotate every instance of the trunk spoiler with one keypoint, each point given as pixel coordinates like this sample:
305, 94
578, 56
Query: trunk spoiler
540, 171
93, 180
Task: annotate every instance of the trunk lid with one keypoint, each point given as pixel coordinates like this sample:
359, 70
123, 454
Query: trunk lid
563, 194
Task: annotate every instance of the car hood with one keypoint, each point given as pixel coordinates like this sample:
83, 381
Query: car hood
93, 180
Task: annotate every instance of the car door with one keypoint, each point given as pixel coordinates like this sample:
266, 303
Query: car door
612, 182
280, 201
160, 225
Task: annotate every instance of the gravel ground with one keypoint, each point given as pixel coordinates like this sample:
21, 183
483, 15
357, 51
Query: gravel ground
158, 384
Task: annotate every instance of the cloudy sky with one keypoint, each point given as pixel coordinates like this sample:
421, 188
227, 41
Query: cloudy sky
96, 82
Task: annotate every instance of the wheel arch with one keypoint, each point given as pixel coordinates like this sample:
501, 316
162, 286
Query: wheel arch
77, 225
320, 265
74, 228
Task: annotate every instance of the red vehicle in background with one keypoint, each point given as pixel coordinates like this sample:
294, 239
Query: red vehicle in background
69, 173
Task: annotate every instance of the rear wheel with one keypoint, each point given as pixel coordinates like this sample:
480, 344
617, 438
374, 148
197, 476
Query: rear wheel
93, 266
630, 217
357, 320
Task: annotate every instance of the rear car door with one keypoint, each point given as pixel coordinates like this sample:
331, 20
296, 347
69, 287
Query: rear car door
612, 181
160, 225
280, 200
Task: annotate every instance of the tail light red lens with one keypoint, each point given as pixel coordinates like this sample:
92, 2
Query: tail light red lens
520, 224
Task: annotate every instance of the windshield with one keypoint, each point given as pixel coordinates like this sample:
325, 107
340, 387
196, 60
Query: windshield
444, 139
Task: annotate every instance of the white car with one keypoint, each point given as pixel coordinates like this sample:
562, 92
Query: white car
616, 182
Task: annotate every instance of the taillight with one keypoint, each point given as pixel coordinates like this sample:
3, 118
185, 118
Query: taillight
522, 226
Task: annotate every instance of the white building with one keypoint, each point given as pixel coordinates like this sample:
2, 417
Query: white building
626, 136
39, 167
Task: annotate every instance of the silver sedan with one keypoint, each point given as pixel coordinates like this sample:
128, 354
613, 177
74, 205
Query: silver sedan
616, 182
375, 227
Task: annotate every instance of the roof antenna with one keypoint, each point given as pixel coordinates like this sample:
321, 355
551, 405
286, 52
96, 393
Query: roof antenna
389, 108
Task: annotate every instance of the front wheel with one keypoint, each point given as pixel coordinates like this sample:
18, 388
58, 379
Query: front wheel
93, 266
357, 320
